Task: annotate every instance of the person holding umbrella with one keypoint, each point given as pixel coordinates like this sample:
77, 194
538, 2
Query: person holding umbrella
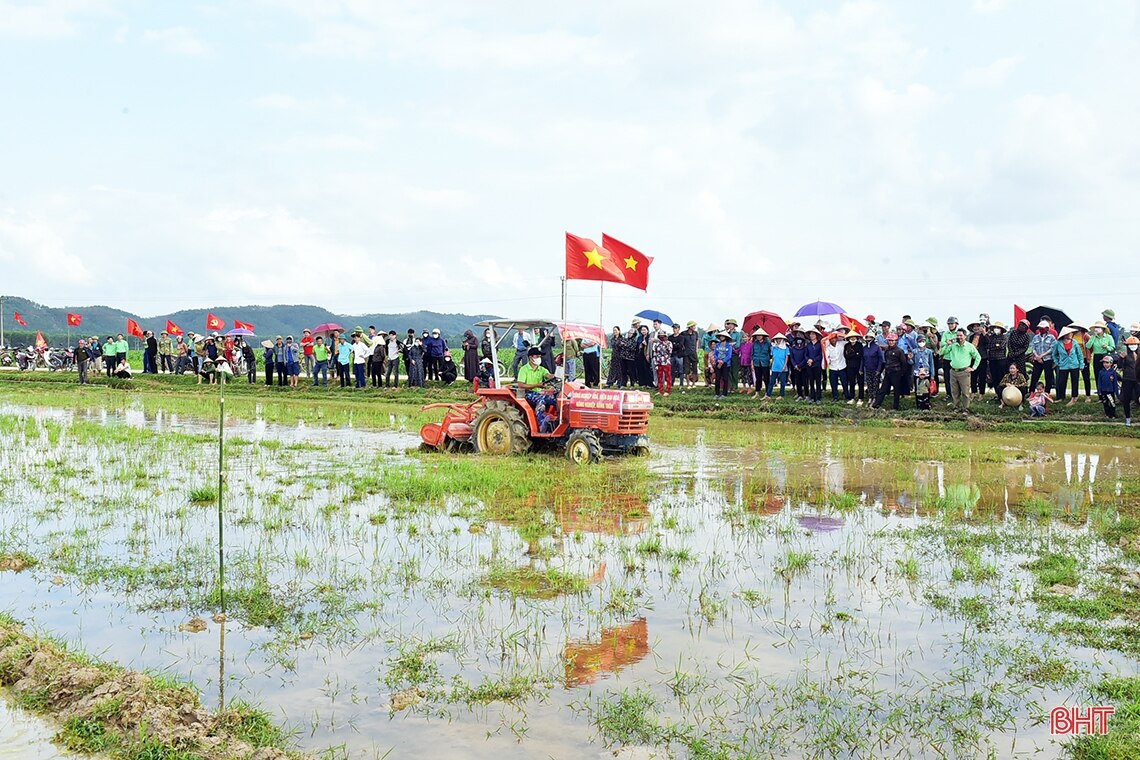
761, 361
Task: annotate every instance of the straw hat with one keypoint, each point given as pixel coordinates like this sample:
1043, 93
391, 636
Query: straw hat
813, 330
759, 331
1100, 324
712, 329
779, 336
267, 344
1132, 340
723, 334
999, 325
851, 335
1066, 331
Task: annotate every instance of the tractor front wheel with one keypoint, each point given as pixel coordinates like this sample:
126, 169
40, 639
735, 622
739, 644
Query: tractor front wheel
499, 429
584, 447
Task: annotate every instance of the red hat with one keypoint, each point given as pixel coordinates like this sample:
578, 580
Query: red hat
892, 336
869, 318
1024, 322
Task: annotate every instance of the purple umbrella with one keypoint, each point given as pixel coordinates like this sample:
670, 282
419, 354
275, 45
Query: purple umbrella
819, 308
819, 523
240, 331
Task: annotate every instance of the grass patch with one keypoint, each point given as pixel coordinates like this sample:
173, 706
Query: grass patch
536, 584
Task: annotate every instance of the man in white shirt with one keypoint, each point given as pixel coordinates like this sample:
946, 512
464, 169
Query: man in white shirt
360, 353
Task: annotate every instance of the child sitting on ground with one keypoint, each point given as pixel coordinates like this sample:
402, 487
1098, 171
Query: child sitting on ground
1108, 386
1039, 401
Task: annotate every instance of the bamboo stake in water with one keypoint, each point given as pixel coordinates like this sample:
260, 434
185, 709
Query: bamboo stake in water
221, 490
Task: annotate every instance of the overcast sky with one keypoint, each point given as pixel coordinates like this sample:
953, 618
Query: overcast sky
929, 158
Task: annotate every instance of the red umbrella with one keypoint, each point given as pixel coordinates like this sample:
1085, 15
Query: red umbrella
326, 329
769, 320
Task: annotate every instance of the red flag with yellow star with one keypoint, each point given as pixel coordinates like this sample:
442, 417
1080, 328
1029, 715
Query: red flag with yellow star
586, 260
634, 263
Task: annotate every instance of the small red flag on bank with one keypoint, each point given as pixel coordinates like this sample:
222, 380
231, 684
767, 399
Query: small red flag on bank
634, 264
40, 342
214, 323
20, 320
74, 320
134, 329
586, 260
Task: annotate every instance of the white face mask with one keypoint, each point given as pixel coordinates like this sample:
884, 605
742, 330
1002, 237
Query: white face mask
535, 360
1133, 348
1098, 330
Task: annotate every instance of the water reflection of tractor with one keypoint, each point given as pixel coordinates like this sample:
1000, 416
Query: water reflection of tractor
585, 423
619, 647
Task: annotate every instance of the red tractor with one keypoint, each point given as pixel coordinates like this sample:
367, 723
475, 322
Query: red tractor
587, 423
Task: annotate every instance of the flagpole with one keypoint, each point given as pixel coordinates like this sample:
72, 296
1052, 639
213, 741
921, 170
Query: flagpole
564, 299
2, 343
601, 292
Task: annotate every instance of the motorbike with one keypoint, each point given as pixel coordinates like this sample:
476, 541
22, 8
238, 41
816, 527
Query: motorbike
59, 359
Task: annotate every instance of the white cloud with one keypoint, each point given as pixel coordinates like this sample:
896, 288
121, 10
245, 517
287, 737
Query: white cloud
35, 245
47, 19
987, 7
992, 75
180, 40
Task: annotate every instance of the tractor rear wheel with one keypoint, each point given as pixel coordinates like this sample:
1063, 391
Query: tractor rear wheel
584, 447
499, 429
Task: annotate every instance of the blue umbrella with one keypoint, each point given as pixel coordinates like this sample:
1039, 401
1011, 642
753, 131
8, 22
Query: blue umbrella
658, 315
819, 308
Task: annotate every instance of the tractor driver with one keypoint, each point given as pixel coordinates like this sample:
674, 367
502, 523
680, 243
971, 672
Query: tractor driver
531, 378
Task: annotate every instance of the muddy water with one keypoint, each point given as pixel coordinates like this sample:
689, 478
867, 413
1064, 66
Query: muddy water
693, 587
24, 737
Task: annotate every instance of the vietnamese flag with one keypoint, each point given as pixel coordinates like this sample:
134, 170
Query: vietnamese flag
74, 320
134, 329
586, 260
40, 342
242, 326
214, 323
855, 325
20, 320
1018, 314
172, 328
634, 263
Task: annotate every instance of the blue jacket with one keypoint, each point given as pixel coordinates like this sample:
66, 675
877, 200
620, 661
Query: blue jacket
722, 351
1107, 381
923, 359
872, 358
1074, 359
799, 355
761, 354
1115, 330
779, 358
815, 353
434, 346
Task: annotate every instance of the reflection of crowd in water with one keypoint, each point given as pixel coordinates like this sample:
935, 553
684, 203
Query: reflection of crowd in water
1068, 481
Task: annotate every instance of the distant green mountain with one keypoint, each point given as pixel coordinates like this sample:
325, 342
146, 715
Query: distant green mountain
268, 321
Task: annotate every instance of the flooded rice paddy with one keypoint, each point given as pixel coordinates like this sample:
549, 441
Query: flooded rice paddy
746, 591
